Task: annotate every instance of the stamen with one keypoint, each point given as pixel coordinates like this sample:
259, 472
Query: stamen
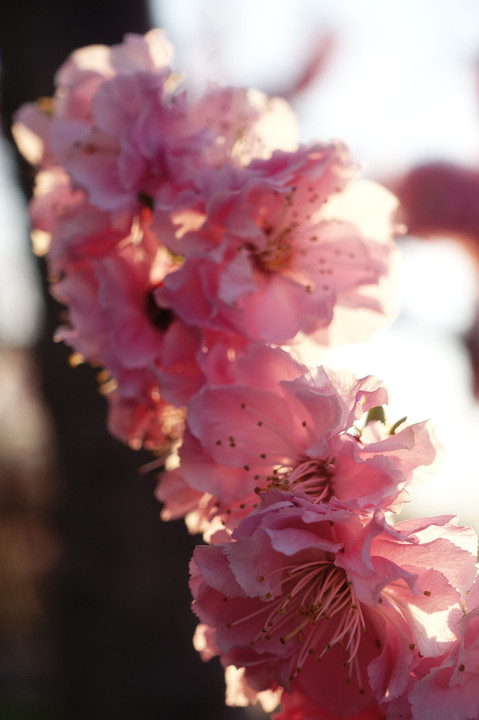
303, 596
314, 477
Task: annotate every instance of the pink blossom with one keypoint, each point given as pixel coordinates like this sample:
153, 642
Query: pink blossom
232, 127
128, 137
138, 341
242, 124
66, 227
151, 52
298, 706
30, 131
156, 426
273, 425
120, 156
271, 244
181, 500
272, 259
77, 81
238, 692
148, 354
340, 607
112, 122
451, 691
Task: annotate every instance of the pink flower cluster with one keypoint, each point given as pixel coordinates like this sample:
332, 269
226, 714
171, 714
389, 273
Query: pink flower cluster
305, 584
175, 225
196, 244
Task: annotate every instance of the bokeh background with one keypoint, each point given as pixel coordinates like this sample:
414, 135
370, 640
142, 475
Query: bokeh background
94, 605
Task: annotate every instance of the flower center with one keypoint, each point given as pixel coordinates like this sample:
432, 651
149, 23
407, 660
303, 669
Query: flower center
317, 609
312, 477
277, 251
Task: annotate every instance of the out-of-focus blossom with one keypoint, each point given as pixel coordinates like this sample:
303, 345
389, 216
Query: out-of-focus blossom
319, 55
173, 222
148, 354
125, 134
440, 199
